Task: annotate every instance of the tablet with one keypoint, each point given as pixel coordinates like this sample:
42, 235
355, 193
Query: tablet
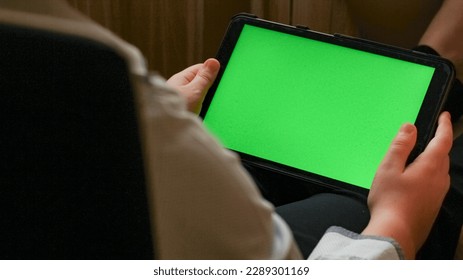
320, 107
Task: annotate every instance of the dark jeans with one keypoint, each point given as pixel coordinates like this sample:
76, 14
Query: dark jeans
310, 210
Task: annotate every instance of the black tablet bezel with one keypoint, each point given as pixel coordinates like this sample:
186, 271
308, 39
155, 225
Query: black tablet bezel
427, 116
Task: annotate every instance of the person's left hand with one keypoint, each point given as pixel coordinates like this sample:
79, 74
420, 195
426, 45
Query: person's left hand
194, 82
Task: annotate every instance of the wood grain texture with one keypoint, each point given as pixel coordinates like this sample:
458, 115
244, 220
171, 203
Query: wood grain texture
108, 13
328, 16
174, 34
169, 33
275, 10
217, 15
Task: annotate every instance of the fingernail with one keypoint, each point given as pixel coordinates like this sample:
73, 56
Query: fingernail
447, 114
407, 128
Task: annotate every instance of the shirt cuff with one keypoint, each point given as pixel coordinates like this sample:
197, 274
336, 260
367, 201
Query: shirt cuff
341, 244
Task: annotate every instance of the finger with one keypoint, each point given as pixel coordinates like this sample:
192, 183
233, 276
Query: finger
185, 76
441, 144
206, 74
399, 151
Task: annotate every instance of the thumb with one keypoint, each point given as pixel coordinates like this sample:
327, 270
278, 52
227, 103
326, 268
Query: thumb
401, 147
206, 74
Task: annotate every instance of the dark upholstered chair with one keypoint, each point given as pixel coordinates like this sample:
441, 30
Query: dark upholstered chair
72, 182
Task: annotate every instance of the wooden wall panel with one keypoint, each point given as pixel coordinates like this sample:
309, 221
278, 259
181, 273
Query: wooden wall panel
395, 22
169, 33
217, 15
276, 10
173, 34
109, 13
165, 33
328, 16
341, 19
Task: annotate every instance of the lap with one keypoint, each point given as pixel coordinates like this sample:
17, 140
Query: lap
311, 217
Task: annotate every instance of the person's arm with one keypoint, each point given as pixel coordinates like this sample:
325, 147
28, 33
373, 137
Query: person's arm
404, 201
204, 203
445, 34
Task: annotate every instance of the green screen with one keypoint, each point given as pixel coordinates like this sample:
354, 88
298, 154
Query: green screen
326, 109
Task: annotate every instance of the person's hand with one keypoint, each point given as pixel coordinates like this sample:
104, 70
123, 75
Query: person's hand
194, 82
404, 200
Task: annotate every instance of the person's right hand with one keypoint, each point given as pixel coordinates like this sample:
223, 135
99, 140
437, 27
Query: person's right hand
404, 200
